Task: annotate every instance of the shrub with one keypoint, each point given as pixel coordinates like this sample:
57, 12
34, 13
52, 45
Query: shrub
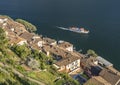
92, 53
30, 27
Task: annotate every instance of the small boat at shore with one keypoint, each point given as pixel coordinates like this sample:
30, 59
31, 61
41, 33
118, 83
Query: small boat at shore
76, 29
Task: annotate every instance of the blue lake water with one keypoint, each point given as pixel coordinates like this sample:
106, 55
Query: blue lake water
101, 17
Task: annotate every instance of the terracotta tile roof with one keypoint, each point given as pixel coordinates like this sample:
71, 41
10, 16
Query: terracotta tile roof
67, 57
110, 76
3, 17
12, 25
7, 29
87, 61
34, 46
97, 80
11, 34
64, 44
67, 61
55, 50
58, 51
48, 40
78, 54
19, 29
15, 39
28, 36
37, 40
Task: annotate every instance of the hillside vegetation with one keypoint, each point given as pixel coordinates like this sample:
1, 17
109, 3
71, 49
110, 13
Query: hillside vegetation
29, 27
19, 65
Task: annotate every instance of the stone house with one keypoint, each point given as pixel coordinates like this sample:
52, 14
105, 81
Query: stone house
65, 61
68, 65
65, 45
110, 76
49, 41
97, 80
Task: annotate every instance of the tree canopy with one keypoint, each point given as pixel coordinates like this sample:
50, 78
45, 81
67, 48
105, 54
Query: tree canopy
30, 27
23, 51
92, 53
3, 39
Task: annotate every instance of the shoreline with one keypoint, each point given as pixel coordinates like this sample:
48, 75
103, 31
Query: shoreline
66, 58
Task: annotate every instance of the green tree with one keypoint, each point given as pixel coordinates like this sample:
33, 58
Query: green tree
42, 65
35, 54
30, 27
92, 53
68, 80
22, 51
3, 39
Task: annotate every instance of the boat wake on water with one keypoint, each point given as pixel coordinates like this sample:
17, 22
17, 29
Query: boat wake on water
62, 28
75, 29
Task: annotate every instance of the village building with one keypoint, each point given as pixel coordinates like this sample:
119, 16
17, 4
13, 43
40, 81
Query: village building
68, 65
87, 61
9, 24
3, 19
32, 39
35, 47
37, 40
97, 80
28, 36
54, 51
18, 28
9, 32
65, 45
37, 44
65, 61
99, 70
110, 76
16, 40
49, 41
90, 67
103, 62
113, 70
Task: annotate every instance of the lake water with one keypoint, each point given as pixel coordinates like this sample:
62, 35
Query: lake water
101, 17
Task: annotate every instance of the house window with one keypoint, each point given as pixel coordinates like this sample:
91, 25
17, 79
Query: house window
76, 63
76, 66
73, 63
68, 65
72, 68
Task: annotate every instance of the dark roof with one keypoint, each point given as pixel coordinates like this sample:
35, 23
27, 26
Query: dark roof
110, 76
